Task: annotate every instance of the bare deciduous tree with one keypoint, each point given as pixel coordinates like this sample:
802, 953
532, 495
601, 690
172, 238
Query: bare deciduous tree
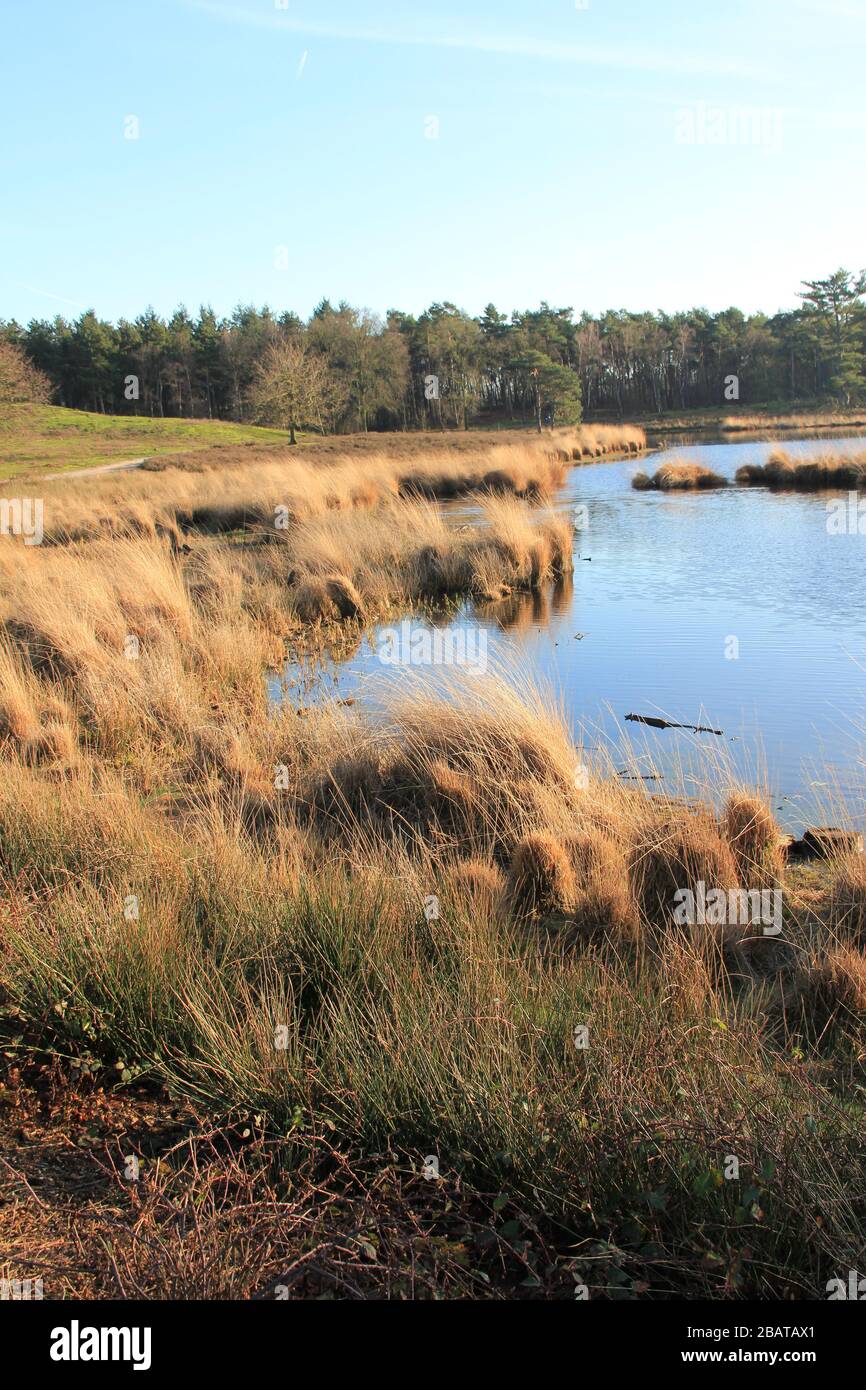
19, 379
293, 386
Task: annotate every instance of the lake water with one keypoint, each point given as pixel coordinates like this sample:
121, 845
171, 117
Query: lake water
736, 609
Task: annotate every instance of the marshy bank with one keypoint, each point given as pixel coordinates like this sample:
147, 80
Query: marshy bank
767, 422
658, 620
269, 490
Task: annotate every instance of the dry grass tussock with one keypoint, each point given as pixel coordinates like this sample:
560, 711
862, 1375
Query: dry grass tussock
831, 988
784, 470
848, 899
406, 551
301, 903
751, 831
678, 477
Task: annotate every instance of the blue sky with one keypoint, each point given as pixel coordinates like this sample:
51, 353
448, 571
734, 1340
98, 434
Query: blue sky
568, 163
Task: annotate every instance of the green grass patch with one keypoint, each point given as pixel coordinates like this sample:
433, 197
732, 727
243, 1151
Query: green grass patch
50, 438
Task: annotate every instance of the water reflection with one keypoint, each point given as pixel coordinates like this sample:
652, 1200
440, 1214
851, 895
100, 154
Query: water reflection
662, 584
520, 611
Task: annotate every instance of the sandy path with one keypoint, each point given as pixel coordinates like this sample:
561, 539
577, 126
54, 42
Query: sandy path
100, 468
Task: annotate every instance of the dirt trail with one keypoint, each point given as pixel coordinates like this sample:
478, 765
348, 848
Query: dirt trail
100, 468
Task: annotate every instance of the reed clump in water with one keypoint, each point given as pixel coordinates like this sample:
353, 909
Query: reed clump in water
678, 477
783, 470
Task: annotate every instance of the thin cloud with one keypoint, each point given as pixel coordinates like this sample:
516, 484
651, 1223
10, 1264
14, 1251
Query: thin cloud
519, 46
46, 294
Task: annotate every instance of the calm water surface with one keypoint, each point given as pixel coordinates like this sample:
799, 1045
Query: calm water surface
662, 583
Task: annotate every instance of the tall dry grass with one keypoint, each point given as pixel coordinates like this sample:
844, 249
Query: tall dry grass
823, 420
131, 650
783, 470
187, 874
271, 493
679, 477
454, 1033
596, 441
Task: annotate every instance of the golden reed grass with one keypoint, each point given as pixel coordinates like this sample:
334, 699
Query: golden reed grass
679, 477
282, 867
221, 491
783, 470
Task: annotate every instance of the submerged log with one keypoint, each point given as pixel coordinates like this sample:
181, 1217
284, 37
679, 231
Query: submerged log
667, 724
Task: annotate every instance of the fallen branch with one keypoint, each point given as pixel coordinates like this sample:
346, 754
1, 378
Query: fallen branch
666, 724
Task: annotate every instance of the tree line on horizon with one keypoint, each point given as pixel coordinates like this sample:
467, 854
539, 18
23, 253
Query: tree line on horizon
347, 369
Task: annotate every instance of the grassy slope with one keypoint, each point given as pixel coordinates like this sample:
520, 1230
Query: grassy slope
37, 438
